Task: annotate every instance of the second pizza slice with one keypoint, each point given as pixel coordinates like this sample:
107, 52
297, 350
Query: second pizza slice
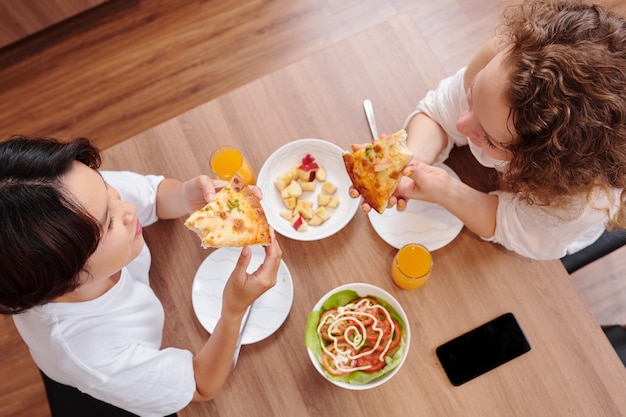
376, 169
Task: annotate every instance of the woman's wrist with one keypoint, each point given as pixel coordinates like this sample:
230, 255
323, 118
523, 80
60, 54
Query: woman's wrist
425, 138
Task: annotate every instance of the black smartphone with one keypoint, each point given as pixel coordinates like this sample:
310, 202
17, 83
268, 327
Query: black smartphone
482, 349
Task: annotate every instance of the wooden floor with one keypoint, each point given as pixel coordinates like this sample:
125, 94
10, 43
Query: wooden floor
128, 65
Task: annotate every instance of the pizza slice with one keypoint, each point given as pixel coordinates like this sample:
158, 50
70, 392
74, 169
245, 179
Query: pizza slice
376, 169
234, 217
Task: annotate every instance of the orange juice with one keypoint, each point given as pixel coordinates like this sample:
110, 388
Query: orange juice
411, 266
226, 161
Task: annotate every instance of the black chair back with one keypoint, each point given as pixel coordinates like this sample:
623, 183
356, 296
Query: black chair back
66, 401
606, 243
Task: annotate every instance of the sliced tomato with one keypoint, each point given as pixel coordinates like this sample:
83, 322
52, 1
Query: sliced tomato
384, 325
360, 317
372, 335
371, 362
365, 307
328, 318
329, 360
396, 336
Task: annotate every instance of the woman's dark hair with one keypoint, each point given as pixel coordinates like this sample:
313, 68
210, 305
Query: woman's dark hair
46, 237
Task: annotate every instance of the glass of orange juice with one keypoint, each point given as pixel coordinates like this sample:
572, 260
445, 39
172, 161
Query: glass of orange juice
411, 266
227, 160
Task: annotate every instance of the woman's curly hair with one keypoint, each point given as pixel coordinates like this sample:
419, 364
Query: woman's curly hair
567, 74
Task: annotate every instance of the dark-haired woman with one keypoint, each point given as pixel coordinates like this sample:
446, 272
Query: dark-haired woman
74, 273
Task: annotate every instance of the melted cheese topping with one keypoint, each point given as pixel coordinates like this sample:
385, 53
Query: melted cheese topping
229, 221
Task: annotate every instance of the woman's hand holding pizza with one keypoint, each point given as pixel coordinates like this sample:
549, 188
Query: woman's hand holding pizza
421, 182
198, 191
242, 288
376, 169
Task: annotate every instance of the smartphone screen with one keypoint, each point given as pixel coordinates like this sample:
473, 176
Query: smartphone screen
482, 349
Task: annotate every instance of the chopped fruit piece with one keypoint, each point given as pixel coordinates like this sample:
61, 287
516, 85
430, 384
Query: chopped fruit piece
290, 202
320, 175
322, 213
306, 171
316, 221
292, 190
284, 180
308, 185
305, 208
323, 199
299, 223
281, 183
328, 187
334, 201
287, 214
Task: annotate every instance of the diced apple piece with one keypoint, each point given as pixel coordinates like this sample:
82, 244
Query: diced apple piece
282, 182
292, 190
322, 213
290, 202
286, 214
334, 201
299, 223
304, 175
320, 175
328, 187
316, 221
305, 208
308, 185
323, 199
307, 169
293, 173
295, 190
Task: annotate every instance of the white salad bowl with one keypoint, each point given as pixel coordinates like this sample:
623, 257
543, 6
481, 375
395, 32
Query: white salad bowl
363, 290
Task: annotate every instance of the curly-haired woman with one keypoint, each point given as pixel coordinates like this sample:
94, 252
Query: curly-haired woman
544, 103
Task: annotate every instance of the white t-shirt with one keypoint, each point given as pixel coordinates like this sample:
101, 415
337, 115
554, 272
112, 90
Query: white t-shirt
530, 230
110, 347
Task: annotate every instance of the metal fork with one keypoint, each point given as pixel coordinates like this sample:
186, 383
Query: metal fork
369, 113
244, 321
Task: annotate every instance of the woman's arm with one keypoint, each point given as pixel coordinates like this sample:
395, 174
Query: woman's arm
425, 138
212, 364
477, 210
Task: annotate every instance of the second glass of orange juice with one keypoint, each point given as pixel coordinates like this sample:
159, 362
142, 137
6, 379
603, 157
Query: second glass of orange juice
227, 160
411, 266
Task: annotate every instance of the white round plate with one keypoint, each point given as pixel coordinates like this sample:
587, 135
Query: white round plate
268, 312
364, 290
426, 223
327, 155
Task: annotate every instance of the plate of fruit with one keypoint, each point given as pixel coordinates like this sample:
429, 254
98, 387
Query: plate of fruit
306, 190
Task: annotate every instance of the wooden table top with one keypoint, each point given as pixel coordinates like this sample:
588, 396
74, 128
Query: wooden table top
571, 369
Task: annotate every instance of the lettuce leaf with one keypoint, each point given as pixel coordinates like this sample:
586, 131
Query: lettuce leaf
312, 341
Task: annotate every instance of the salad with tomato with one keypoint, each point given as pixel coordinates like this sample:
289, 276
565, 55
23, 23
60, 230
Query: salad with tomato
356, 339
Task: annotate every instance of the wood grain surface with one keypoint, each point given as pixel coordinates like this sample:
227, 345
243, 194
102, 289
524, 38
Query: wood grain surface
133, 65
473, 281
